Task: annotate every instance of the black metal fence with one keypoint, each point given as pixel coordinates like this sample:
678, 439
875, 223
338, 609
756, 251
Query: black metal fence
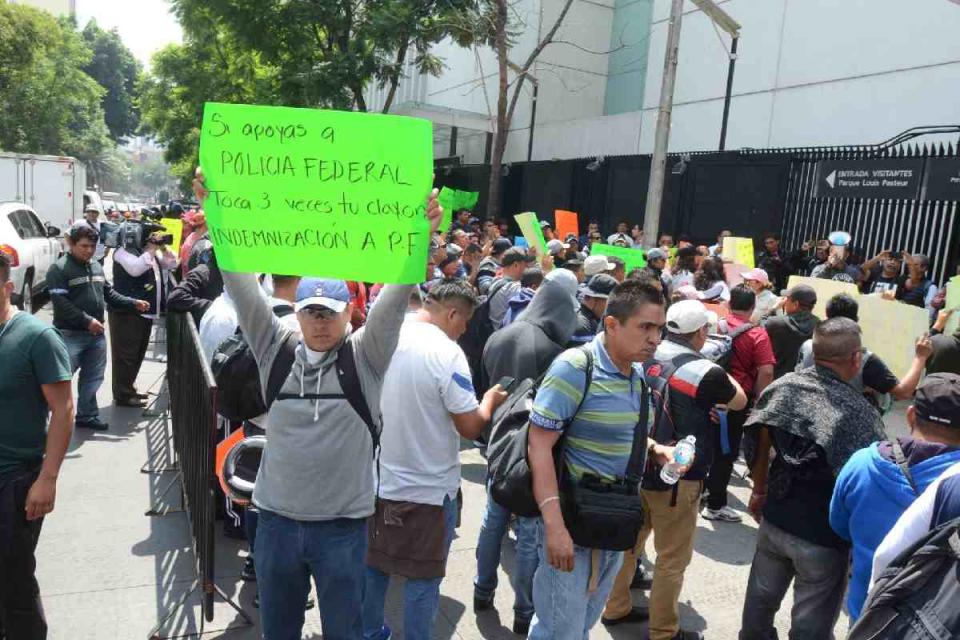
921, 224
193, 395
750, 191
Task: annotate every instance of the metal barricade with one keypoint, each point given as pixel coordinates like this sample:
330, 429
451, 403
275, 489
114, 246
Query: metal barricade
193, 398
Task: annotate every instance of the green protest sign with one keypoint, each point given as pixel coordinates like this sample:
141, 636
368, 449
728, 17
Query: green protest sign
632, 258
452, 200
316, 192
530, 228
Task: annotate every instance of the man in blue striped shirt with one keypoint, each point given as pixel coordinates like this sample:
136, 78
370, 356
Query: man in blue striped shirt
572, 582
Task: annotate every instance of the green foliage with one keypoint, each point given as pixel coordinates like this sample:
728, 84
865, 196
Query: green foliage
47, 103
115, 68
307, 53
210, 66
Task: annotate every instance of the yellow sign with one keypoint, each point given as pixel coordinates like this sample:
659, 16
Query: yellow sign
825, 289
738, 251
174, 227
891, 330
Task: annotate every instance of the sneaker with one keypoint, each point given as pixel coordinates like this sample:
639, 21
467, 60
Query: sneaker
249, 573
96, 424
642, 579
521, 627
637, 614
482, 604
723, 514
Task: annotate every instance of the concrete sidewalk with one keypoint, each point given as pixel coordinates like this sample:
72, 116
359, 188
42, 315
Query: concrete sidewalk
109, 572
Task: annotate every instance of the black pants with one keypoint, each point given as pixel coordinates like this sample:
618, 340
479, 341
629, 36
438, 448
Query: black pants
21, 613
129, 339
722, 466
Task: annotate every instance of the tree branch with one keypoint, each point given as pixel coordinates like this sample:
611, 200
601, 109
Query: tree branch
395, 76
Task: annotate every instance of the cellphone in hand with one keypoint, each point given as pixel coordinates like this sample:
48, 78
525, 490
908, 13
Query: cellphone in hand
506, 382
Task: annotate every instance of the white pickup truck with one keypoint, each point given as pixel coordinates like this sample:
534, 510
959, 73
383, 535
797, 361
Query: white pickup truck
32, 248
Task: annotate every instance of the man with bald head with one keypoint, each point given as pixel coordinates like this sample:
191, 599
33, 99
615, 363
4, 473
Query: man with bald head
815, 420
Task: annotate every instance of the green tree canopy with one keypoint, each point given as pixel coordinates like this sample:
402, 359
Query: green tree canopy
114, 67
47, 103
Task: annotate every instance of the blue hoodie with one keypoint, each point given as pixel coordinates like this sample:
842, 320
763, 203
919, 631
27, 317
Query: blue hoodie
871, 494
517, 305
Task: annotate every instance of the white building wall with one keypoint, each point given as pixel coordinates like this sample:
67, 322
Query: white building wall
809, 72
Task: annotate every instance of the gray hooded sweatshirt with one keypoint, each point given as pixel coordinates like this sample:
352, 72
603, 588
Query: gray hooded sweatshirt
318, 461
526, 347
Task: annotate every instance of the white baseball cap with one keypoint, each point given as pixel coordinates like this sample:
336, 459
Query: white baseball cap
686, 316
597, 264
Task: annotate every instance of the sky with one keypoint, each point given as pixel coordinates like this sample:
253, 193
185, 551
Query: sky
145, 26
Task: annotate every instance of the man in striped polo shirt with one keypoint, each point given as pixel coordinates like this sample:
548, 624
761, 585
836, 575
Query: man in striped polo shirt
572, 582
697, 385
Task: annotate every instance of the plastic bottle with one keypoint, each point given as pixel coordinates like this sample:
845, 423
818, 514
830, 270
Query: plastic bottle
682, 456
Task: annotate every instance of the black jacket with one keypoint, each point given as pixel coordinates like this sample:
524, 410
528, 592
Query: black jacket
196, 293
80, 293
787, 335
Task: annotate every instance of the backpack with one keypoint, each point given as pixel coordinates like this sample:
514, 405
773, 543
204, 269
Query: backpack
657, 376
510, 479
235, 371
239, 393
479, 329
722, 344
916, 596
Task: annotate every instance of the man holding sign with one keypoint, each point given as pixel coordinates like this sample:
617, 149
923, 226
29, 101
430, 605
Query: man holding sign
315, 487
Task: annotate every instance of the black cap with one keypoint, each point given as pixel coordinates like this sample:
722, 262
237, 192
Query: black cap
514, 255
600, 286
804, 295
938, 399
500, 245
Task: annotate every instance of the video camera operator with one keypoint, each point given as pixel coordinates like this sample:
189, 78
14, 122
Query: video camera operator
141, 270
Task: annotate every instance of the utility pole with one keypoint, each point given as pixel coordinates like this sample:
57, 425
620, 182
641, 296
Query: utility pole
658, 163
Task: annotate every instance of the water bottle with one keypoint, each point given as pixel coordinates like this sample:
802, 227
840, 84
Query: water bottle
682, 456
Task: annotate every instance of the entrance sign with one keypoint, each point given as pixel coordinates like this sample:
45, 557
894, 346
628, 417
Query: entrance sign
942, 179
316, 192
897, 178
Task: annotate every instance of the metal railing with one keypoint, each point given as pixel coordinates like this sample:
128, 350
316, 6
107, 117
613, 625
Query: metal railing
193, 397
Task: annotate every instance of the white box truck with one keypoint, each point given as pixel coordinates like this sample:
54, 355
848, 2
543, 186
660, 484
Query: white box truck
53, 186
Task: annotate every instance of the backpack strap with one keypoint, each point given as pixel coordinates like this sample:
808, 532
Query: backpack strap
280, 369
637, 462
350, 384
901, 459
739, 331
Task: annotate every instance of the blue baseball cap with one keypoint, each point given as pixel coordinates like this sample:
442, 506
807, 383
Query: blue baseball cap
320, 292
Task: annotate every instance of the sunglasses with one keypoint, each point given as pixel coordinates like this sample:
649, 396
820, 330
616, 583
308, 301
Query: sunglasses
319, 313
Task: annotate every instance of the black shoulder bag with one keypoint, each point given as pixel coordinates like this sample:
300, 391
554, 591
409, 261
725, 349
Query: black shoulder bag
600, 514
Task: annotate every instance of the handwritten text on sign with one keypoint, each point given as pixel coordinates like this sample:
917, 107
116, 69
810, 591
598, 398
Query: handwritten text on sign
316, 192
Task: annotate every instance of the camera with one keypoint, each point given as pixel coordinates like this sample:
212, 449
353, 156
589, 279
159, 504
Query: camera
162, 239
133, 235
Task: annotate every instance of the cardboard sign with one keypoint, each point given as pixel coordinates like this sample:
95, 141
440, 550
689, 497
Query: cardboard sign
891, 330
453, 200
174, 227
566, 222
825, 289
530, 228
632, 258
738, 250
316, 192
953, 302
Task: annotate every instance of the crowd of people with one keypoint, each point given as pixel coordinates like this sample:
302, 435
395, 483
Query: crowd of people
367, 392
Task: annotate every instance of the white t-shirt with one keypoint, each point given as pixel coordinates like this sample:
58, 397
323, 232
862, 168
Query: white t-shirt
427, 380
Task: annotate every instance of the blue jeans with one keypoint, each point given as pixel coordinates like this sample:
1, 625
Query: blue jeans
494, 527
566, 609
89, 354
421, 596
288, 552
